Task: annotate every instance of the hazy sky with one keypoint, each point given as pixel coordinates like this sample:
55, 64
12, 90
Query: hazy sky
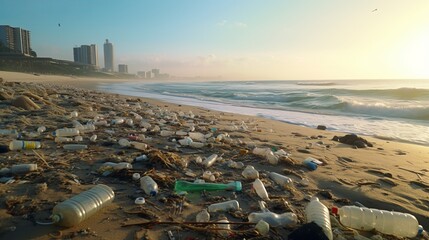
237, 39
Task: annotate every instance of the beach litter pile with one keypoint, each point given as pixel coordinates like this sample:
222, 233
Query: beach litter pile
72, 158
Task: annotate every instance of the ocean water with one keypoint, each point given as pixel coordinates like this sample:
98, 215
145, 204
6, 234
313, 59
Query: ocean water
388, 109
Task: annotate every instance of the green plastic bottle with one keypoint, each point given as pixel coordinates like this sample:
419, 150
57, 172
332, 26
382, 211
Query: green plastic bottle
196, 187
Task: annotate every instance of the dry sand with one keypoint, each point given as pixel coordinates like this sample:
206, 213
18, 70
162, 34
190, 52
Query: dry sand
390, 175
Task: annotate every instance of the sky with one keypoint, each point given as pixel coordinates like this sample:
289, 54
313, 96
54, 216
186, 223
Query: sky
237, 39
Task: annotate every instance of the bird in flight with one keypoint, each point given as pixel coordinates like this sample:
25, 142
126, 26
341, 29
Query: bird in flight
59, 24
374, 10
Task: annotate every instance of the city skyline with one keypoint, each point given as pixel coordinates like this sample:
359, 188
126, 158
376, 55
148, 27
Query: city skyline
280, 39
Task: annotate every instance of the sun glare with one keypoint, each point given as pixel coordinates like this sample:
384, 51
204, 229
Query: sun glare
414, 56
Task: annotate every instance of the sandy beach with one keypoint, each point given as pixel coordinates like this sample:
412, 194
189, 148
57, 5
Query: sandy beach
389, 175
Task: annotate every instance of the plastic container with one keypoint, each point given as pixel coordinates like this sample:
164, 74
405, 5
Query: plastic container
136, 176
141, 158
75, 147
259, 187
250, 173
66, 132
318, 213
271, 158
63, 139
310, 164
387, 222
10, 132
262, 227
260, 151
224, 225
207, 175
180, 186
210, 160
139, 145
148, 185
224, 206
80, 207
86, 128
203, 216
273, 219
18, 145
23, 168
281, 180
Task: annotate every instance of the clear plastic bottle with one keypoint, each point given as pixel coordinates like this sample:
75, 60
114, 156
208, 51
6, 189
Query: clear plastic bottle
224, 206
18, 145
259, 187
80, 207
86, 128
273, 219
387, 222
75, 147
149, 186
23, 168
250, 173
271, 158
281, 180
10, 132
210, 160
203, 216
63, 139
139, 145
318, 213
66, 132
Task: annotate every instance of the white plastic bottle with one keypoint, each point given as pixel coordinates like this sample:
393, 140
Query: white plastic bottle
273, 219
387, 222
281, 180
80, 207
250, 173
148, 185
318, 213
259, 187
18, 145
66, 132
224, 206
210, 160
23, 168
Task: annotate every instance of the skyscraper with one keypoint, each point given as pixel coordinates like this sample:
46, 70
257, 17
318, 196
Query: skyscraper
87, 54
16, 39
123, 68
108, 56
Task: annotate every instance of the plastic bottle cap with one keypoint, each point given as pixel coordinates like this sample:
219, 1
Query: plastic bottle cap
238, 186
420, 231
56, 218
153, 193
140, 201
4, 148
334, 210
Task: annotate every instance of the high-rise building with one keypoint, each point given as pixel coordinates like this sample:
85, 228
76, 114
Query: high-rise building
16, 39
86, 54
155, 73
123, 68
148, 74
108, 56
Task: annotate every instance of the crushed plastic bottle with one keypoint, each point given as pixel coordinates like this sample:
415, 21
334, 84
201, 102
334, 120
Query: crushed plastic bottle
224, 206
250, 173
281, 180
259, 188
210, 160
203, 216
273, 219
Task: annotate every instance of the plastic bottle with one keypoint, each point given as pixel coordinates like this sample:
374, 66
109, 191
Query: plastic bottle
281, 180
23, 168
203, 216
80, 207
186, 141
63, 139
86, 128
210, 160
139, 145
387, 222
250, 173
260, 151
141, 158
66, 132
197, 136
11, 132
262, 227
271, 158
224, 206
310, 164
273, 219
149, 186
75, 147
318, 213
18, 145
224, 225
165, 133
180, 186
78, 138
117, 166
118, 121
259, 187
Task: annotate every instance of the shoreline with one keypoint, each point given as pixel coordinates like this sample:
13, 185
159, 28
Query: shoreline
373, 176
